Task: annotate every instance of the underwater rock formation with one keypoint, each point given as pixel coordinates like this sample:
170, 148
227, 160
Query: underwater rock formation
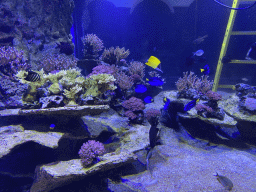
35, 26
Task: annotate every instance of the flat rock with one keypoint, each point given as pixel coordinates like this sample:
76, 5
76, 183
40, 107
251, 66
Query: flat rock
231, 107
67, 110
11, 136
107, 121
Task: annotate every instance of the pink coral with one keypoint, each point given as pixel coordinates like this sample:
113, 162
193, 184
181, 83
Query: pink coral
134, 104
90, 150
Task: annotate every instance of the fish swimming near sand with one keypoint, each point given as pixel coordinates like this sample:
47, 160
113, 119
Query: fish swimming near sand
225, 182
200, 40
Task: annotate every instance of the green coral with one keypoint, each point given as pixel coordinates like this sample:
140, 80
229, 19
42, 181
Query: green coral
72, 84
30, 96
72, 93
98, 84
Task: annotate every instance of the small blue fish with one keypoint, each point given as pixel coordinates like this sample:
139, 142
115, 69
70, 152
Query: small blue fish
167, 103
148, 99
140, 88
205, 70
190, 105
155, 81
52, 126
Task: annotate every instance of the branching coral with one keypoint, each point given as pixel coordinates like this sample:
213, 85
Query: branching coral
114, 55
124, 81
90, 151
137, 68
12, 61
92, 46
52, 62
192, 81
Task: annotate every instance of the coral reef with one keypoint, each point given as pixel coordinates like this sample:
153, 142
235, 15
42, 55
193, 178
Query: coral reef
92, 46
90, 151
35, 26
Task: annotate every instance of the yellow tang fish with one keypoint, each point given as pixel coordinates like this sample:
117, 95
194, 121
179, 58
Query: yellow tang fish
154, 62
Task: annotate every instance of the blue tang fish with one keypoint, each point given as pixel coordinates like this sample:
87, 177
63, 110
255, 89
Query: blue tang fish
155, 81
140, 88
205, 70
166, 104
190, 105
52, 126
148, 99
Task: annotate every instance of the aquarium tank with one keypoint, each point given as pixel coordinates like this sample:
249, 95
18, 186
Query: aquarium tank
127, 95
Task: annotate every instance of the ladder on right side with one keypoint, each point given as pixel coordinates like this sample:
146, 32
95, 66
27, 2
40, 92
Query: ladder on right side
224, 47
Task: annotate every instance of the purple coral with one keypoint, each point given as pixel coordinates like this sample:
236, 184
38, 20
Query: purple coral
130, 114
90, 151
12, 61
203, 108
213, 95
51, 62
250, 104
134, 104
107, 69
152, 113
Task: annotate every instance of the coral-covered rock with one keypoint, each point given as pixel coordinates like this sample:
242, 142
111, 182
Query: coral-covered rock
51, 101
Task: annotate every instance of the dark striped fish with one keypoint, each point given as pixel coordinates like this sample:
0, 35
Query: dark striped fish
32, 76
